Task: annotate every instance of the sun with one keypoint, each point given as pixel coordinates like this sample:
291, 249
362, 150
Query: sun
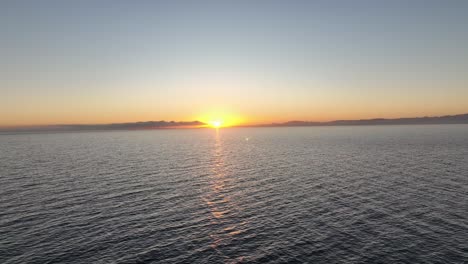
219, 119
216, 123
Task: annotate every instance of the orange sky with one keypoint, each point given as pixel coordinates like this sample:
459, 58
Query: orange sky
75, 63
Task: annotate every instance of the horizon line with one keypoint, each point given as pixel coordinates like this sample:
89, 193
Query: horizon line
162, 124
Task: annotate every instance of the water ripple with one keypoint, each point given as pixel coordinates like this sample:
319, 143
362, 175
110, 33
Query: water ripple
300, 195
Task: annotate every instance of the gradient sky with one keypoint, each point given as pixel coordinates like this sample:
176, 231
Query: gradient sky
250, 61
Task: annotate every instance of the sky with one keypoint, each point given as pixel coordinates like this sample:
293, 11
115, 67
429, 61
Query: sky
249, 62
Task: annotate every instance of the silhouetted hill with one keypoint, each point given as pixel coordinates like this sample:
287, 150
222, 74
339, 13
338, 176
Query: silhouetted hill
116, 126
449, 119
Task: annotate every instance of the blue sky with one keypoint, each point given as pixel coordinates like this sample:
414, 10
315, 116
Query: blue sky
112, 61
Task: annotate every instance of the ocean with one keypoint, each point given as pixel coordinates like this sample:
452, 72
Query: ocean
356, 194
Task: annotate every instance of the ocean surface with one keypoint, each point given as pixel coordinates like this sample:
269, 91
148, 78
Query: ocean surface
368, 194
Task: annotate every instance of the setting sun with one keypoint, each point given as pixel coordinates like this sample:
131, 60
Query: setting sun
216, 123
219, 118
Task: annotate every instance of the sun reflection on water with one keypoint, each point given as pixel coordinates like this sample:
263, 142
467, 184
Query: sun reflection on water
224, 211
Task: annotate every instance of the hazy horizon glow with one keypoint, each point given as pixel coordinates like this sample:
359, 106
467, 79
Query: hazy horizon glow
89, 62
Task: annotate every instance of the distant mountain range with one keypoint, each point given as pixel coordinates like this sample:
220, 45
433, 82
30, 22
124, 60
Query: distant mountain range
448, 119
115, 126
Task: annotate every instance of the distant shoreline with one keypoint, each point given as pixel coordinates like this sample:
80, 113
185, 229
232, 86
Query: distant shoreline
448, 119
153, 125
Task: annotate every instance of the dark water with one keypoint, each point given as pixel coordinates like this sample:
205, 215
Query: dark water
386, 194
